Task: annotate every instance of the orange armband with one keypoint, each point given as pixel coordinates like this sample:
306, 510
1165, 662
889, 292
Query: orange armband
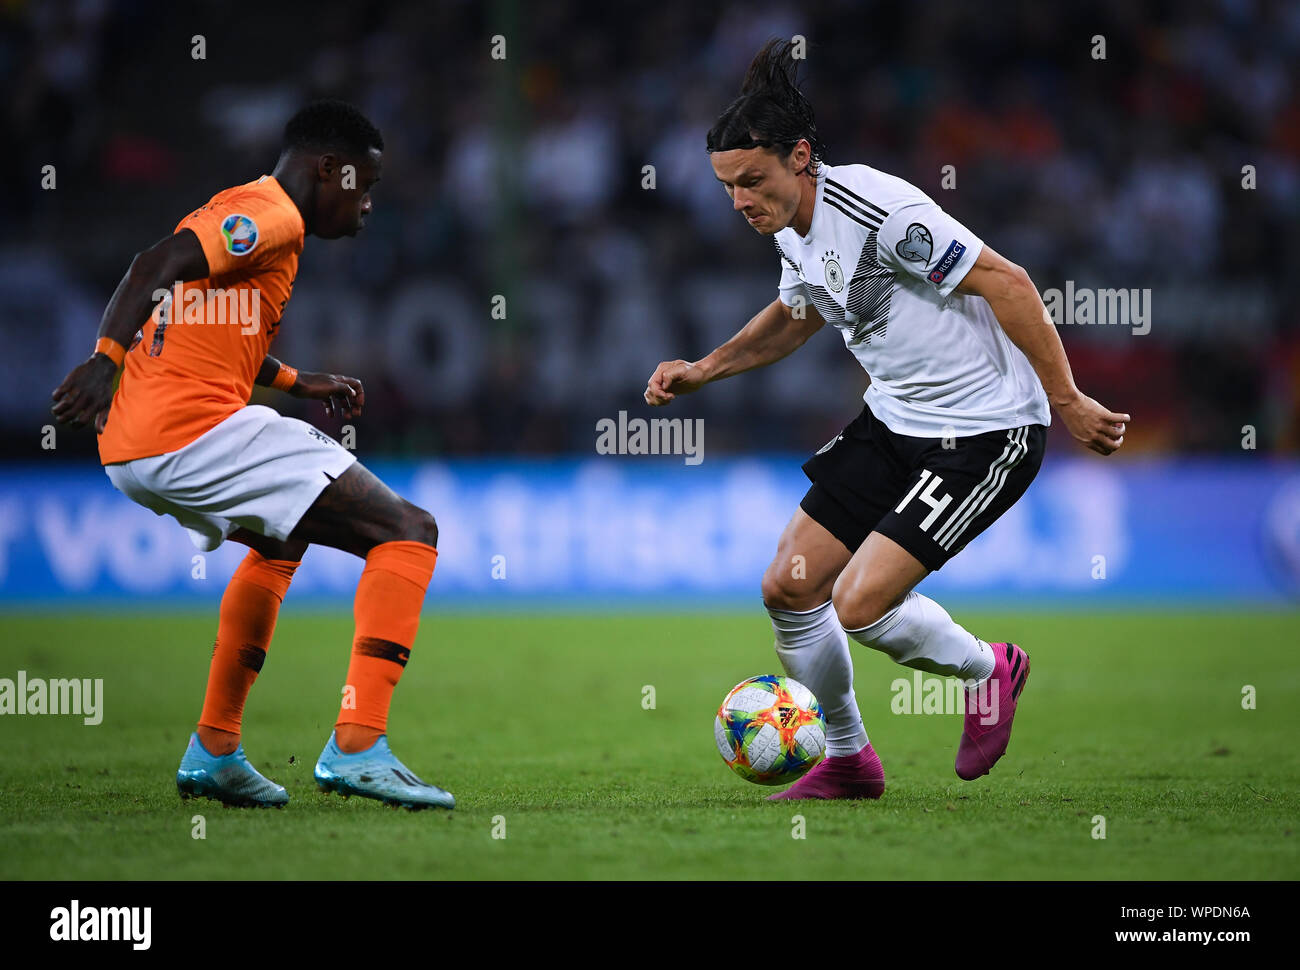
111, 349
285, 378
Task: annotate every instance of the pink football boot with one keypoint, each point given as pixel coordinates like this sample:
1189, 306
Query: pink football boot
852, 776
982, 744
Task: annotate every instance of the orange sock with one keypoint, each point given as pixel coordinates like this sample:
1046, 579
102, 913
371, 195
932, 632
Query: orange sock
387, 611
248, 612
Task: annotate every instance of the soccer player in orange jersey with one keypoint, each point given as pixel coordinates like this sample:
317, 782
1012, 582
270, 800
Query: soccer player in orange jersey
198, 312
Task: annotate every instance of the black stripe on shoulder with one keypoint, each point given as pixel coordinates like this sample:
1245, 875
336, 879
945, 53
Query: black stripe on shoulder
852, 215
845, 205
850, 204
855, 195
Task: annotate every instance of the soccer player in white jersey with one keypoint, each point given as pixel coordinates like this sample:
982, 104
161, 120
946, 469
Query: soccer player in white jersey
963, 361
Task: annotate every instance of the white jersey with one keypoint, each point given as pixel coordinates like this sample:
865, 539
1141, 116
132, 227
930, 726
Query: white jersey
880, 263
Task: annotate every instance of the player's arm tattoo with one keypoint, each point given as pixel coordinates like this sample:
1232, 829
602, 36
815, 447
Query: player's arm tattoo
354, 512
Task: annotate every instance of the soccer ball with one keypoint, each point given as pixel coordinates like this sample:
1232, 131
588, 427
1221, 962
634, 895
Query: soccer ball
770, 730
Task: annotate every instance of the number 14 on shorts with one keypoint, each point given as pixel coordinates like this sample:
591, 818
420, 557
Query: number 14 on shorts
937, 505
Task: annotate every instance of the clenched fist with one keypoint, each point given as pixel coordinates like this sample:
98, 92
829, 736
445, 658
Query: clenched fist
673, 377
1093, 425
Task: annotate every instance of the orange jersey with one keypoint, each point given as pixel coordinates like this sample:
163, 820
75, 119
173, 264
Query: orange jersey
198, 355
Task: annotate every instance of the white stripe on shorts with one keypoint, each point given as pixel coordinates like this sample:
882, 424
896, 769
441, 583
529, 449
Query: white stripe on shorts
983, 494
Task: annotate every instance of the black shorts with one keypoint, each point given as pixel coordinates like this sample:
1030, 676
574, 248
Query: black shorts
928, 498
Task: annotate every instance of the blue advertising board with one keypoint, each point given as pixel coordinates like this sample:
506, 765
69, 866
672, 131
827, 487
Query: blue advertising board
569, 532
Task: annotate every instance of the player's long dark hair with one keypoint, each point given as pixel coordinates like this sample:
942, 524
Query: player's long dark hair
771, 111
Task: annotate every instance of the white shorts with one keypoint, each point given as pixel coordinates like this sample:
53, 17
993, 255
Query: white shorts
257, 470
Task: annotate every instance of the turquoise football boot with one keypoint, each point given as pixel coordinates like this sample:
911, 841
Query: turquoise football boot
228, 778
376, 773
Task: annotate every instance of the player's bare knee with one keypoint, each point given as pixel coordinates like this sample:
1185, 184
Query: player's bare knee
419, 526
857, 604
783, 591
774, 592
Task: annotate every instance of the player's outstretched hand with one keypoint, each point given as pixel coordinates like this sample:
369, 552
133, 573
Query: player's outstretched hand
343, 396
1093, 425
673, 377
85, 394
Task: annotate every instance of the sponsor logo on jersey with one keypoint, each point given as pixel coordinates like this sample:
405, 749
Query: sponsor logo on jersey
240, 234
952, 255
917, 245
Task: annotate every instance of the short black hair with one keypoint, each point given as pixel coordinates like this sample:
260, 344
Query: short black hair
771, 111
332, 125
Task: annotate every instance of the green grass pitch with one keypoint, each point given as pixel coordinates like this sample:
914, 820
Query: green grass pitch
537, 724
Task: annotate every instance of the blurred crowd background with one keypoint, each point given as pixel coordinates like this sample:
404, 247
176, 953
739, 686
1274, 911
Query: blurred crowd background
525, 178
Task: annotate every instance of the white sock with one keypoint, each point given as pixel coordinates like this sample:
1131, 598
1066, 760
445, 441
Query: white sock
919, 633
814, 651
